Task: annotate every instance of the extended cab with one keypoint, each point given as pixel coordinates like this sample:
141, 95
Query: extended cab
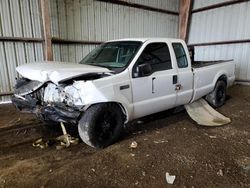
117, 82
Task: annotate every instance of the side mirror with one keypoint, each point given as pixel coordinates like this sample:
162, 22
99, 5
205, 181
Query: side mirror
145, 69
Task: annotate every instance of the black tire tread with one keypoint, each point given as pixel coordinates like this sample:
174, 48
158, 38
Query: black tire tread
211, 97
85, 125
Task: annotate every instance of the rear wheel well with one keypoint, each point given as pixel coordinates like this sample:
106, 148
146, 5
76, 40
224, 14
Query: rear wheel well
223, 78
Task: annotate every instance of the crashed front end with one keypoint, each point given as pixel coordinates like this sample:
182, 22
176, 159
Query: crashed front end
49, 101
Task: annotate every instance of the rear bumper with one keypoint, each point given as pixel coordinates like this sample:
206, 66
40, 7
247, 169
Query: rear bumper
55, 112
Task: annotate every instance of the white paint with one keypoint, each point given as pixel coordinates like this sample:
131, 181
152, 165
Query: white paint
6, 102
56, 71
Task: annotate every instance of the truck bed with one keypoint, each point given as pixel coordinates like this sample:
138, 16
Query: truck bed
206, 74
199, 64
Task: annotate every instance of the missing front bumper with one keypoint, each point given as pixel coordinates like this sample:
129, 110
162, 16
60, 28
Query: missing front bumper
55, 112
60, 114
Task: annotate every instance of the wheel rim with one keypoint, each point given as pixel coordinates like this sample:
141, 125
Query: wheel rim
105, 127
220, 94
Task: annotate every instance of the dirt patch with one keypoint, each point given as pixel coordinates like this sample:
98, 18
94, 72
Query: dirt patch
198, 156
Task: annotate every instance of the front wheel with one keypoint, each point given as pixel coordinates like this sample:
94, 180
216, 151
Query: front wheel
218, 96
101, 125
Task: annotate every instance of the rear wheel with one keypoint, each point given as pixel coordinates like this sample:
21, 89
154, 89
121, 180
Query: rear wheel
101, 125
218, 96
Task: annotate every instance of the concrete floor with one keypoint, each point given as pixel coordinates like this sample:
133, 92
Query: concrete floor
198, 156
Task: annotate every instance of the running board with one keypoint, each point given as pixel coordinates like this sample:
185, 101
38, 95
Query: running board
201, 112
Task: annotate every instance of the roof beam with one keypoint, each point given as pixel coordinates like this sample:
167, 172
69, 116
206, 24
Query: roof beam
140, 6
70, 41
218, 5
20, 39
221, 42
47, 46
184, 18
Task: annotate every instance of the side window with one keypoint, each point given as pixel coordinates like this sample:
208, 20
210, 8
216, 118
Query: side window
155, 54
180, 55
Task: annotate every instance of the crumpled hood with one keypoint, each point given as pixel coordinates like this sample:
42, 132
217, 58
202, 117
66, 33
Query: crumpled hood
56, 71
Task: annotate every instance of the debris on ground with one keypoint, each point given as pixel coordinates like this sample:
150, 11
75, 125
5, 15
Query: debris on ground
201, 112
244, 163
133, 145
220, 173
212, 136
170, 178
160, 141
66, 140
41, 143
62, 141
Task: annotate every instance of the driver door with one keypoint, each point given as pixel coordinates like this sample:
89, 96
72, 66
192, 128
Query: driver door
155, 91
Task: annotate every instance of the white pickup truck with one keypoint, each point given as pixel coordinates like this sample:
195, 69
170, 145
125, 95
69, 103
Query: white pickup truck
117, 82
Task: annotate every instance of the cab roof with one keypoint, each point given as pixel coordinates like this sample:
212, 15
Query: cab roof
148, 39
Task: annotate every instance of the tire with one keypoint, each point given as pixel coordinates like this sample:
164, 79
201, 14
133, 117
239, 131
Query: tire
101, 125
218, 96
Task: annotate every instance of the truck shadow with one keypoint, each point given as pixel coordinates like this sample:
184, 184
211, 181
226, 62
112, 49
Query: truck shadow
153, 122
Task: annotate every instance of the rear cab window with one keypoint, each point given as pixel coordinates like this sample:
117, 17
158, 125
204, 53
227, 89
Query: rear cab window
180, 54
157, 55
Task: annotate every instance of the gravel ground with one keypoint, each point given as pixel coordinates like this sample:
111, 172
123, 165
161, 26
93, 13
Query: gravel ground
198, 156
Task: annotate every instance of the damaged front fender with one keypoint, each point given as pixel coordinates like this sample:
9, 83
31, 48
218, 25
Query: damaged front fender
60, 114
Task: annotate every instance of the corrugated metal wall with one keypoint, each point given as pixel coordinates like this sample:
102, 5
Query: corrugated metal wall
100, 21
204, 3
162, 4
222, 24
18, 19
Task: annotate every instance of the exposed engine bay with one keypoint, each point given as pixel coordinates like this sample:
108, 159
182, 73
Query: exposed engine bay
62, 102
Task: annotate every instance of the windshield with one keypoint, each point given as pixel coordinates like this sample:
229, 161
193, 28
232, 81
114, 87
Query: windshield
112, 55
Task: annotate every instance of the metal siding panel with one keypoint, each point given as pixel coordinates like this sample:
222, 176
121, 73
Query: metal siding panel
84, 20
172, 5
15, 18
56, 52
18, 19
225, 23
94, 20
5, 18
26, 18
62, 20
4, 84
74, 53
38, 50
35, 18
20, 53
204, 3
11, 63
77, 18
221, 24
53, 10
101, 21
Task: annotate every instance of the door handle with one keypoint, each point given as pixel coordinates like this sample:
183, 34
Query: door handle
177, 87
153, 87
175, 79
